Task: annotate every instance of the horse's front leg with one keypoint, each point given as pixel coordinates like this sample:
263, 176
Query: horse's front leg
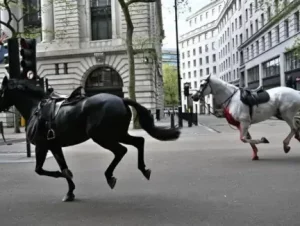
246, 138
40, 157
60, 159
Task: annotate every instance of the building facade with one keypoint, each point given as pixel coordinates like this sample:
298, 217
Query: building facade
253, 41
83, 44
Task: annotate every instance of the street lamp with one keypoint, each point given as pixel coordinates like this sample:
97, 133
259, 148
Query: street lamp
178, 69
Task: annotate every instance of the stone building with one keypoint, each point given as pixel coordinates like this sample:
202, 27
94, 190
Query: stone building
83, 44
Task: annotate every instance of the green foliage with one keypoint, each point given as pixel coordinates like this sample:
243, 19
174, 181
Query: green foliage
170, 85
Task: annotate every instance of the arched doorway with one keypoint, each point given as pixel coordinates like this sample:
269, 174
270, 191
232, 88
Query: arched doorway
104, 80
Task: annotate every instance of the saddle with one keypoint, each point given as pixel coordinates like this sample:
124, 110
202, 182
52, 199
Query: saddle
50, 106
254, 97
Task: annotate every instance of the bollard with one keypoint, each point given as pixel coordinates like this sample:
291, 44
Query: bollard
196, 114
190, 116
172, 121
180, 117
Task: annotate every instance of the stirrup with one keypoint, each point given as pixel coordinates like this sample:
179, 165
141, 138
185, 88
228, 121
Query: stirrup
50, 134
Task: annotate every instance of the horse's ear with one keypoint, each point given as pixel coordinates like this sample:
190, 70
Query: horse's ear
4, 81
208, 78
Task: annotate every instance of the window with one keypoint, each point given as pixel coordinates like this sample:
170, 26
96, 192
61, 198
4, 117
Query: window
101, 19
65, 68
194, 52
247, 56
200, 49
213, 45
241, 39
263, 44
252, 51
246, 14
256, 4
277, 34
247, 33
207, 60
57, 69
195, 85
195, 74
286, 28
206, 48
271, 68
188, 53
269, 13
257, 47
214, 57
183, 75
214, 70
253, 74
189, 73
233, 59
270, 38
200, 61
201, 72
292, 61
256, 25
251, 10
32, 20
194, 63
207, 71
296, 21
251, 29
262, 20
240, 21
182, 55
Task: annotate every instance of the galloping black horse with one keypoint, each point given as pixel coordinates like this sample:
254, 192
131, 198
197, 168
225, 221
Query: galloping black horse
104, 118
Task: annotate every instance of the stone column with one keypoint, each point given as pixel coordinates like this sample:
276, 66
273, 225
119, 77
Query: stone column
47, 20
114, 18
261, 72
282, 73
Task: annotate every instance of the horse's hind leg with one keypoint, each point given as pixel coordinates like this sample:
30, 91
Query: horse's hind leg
289, 120
254, 148
119, 152
139, 143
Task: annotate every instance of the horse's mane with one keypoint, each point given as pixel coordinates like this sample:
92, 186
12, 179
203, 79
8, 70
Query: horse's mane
27, 85
226, 83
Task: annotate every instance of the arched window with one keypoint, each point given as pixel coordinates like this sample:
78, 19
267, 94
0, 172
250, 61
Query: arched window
101, 19
104, 77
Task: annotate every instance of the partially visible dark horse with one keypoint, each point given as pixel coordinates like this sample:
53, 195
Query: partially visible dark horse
104, 118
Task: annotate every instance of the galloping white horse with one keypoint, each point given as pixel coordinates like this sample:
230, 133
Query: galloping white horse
243, 107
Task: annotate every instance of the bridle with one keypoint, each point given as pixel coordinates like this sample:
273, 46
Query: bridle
208, 84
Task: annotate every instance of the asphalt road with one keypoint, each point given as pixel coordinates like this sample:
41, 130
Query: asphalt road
204, 178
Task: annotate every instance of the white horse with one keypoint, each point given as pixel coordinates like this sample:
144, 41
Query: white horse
243, 107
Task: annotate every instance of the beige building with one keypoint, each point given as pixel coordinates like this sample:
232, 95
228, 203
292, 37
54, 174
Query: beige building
83, 44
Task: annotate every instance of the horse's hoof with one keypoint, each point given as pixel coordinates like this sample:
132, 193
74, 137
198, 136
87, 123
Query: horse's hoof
286, 149
264, 140
112, 182
255, 158
147, 174
67, 174
69, 198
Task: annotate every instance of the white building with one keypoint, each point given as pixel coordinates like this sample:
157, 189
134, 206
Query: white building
199, 51
252, 43
83, 44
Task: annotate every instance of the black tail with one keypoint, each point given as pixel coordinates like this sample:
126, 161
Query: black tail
147, 123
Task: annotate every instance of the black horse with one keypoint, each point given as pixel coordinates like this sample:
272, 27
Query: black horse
104, 118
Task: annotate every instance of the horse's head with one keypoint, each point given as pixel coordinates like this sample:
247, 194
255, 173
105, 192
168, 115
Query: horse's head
15, 91
205, 89
5, 95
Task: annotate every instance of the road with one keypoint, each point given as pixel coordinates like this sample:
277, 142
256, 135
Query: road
204, 178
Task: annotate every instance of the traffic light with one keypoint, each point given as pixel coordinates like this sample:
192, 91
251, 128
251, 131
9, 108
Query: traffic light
186, 89
11, 58
28, 61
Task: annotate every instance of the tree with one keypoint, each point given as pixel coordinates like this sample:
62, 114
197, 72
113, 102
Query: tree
170, 85
126, 5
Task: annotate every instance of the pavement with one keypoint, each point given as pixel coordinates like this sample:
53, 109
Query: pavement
203, 178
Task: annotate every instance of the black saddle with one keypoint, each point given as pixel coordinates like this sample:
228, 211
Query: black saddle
49, 107
252, 97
